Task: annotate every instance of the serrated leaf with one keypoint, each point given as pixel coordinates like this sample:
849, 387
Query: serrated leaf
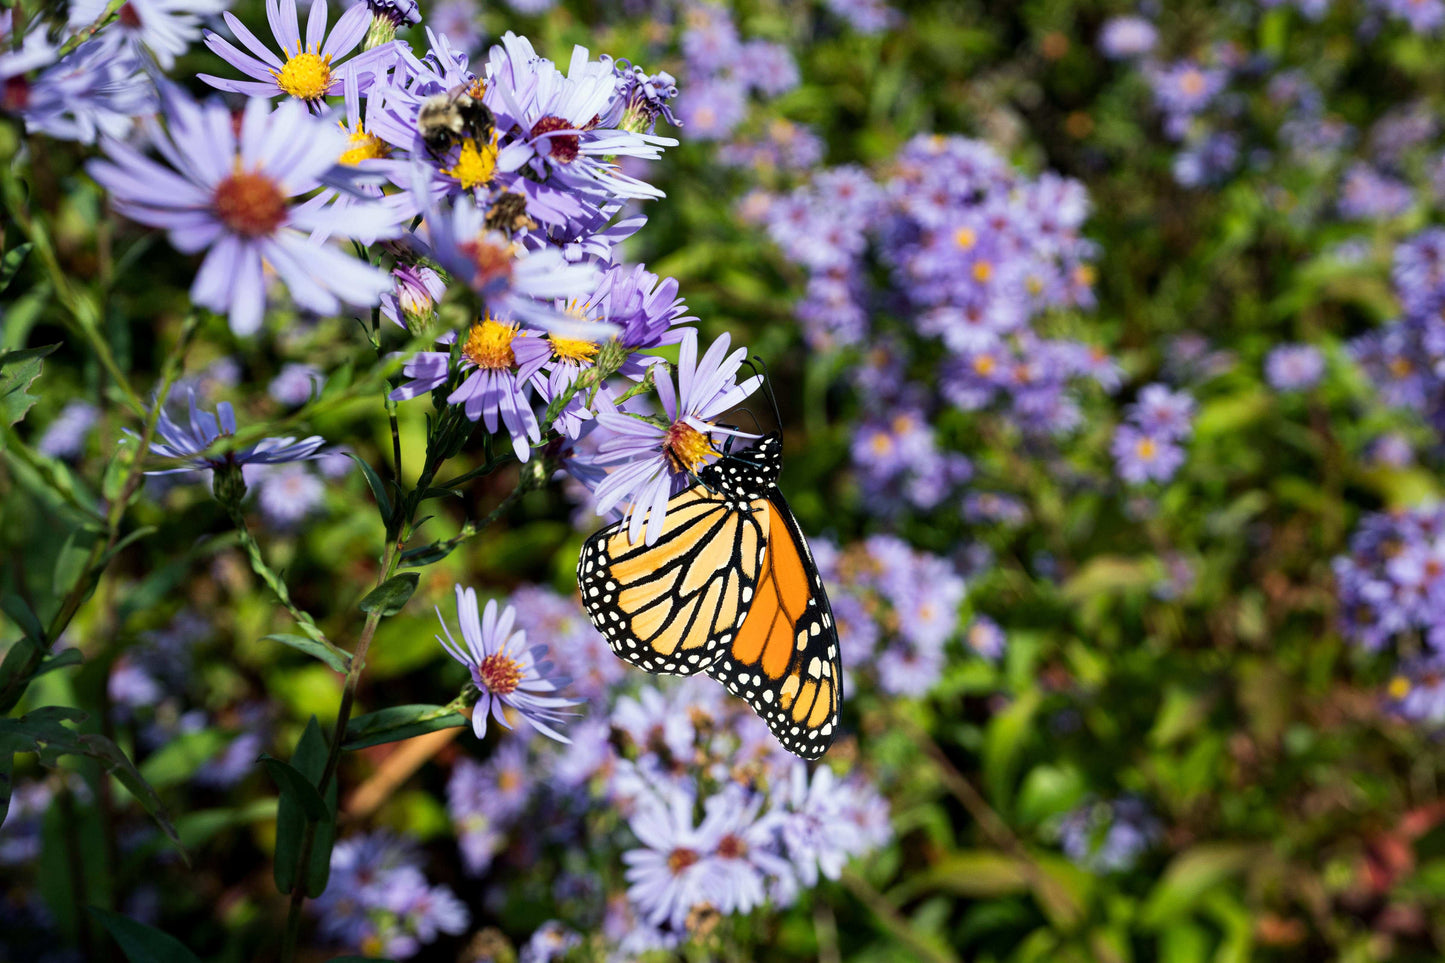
337, 659
142, 943
18, 371
399, 722
378, 488
391, 596
10, 266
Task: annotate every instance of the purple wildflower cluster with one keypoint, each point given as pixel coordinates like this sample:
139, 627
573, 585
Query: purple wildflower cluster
1148, 445
1294, 367
379, 900
898, 608
1405, 359
1109, 836
973, 253
1391, 588
722, 70
1392, 582
717, 817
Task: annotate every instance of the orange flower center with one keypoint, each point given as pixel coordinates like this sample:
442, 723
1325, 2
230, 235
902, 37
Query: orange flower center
499, 674
680, 859
562, 148
250, 204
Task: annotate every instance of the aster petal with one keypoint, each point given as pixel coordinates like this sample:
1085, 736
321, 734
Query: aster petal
479, 716
349, 31
316, 25
476, 639
281, 15
251, 88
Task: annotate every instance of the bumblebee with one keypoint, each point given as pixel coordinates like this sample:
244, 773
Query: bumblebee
453, 117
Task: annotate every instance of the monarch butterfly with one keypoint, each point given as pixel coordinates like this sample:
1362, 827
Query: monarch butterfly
729, 588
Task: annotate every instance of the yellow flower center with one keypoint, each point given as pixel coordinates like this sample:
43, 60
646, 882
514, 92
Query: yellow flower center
1085, 275
984, 364
1192, 83
364, 146
1146, 449
982, 271
578, 351
475, 165
1401, 368
686, 448
965, 237
306, 75
1399, 687
489, 345
882, 444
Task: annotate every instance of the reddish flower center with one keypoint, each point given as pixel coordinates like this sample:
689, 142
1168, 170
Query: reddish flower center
16, 95
250, 204
493, 262
680, 859
563, 147
499, 674
128, 17
732, 847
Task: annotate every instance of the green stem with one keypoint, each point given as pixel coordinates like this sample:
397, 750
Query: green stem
96, 25
83, 313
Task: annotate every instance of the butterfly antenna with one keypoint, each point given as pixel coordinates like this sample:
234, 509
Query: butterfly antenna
756, 363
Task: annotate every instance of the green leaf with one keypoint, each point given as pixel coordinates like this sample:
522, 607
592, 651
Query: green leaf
119, 765
19, 610
298, 808
378, 489
11, 264
1004, 743
337, 659
977, 874
398, 723
142, 943
297, 788
18, 370
424, 555
7, 782
389, 597
63, 659
197, 828
70, 563
1189, 877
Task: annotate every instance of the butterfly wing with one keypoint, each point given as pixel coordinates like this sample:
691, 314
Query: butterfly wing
784, 659
669, 607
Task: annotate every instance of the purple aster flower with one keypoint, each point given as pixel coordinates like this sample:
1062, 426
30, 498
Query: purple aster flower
188, 443
710, 43
507, 674
812, 816
479, 838
164, 29
553, 115
515, 283
1294, 367
296, 383
312, 68
234, 194
641, 98
412, 301
460, 21
288, 495
655, 723
711, 109
65, 436
1417, 691
1124, 38
500, 362
1163, 413
986, 638
552, 940
98, 90
652, 462
1423, 16
745, 852
1140, 456
1108, 837
1184, 88
1366, 194
666, 877
766, 67
864, 16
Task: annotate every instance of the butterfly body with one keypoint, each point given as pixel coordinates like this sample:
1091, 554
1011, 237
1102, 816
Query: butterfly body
730, 588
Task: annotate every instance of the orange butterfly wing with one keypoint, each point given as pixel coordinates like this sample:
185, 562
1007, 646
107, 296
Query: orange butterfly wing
784, 660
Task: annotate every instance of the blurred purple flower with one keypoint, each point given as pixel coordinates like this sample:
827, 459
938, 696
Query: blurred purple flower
1294, 367
188, 443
